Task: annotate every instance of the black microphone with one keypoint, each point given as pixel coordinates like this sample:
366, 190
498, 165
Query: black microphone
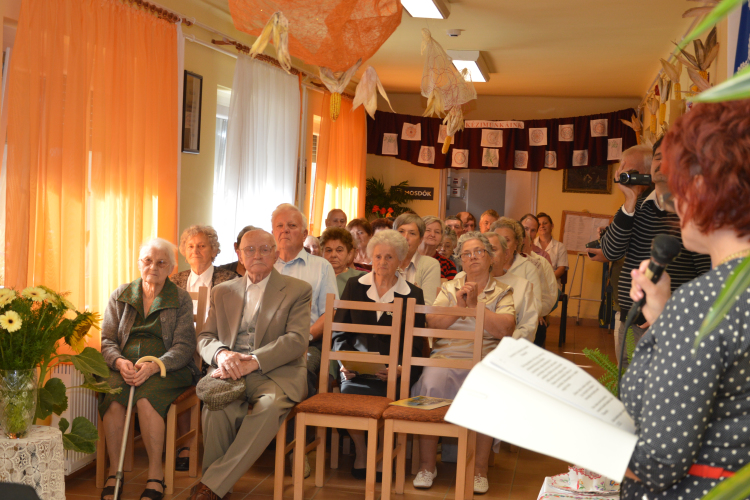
664, 249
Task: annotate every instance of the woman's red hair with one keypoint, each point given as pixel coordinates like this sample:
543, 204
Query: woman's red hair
706, 158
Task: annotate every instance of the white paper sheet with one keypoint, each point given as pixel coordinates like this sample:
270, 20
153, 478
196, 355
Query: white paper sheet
532, 398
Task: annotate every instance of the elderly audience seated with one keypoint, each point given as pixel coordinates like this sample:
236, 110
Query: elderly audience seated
382, 285
556, 250
531, 225
361, 232
258, 329
336, 218
312, 245
290, 231
236, 267
486, 220
149, 317
455, 223
380, 224
433, 236
527, 315
474, 285
468, 221
338, 247
448, 245
419, 270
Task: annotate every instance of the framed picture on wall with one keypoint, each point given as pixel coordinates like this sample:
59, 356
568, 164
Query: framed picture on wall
191, 113
590, 180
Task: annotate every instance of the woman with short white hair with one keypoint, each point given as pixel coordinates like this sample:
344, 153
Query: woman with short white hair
381, 285
200, 246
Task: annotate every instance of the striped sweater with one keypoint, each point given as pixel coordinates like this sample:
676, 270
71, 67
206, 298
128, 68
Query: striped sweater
631, 237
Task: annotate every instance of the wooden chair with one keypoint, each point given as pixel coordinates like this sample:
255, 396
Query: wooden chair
403, 421
187, 401
348, 411
563, 310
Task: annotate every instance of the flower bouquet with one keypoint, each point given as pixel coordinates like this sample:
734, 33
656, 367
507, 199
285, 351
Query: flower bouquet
33, 325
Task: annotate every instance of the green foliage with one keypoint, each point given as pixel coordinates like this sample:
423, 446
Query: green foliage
51, 399
376, 195
609, 379
89, 361
82, 436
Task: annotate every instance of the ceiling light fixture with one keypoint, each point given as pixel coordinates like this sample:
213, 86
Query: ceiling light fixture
429, 9
473, 60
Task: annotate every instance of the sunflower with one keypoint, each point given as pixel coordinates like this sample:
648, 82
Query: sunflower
34, 293
6, 296
10, 321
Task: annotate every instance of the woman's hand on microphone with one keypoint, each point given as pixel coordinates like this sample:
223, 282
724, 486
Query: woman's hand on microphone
657, 294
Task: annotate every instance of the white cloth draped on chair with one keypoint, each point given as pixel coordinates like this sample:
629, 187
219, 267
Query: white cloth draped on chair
261, 151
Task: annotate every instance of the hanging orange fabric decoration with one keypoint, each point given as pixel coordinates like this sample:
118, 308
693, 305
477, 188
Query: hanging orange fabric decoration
334, 34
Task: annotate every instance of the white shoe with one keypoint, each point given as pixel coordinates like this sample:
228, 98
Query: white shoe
424, 478
481, 484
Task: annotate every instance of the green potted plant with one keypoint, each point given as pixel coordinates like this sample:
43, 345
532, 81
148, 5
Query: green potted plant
34, 324
381, 202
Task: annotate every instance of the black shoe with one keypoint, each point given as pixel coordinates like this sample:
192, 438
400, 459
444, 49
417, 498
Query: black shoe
378, 477
109, 491
152, 493
182, 463
359, 473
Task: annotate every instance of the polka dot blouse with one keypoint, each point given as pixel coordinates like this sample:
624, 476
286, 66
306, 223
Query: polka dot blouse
689, 409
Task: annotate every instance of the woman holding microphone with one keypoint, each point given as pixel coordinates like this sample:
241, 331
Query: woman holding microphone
692, 408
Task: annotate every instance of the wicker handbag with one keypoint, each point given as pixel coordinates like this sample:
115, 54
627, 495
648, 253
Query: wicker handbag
217, 393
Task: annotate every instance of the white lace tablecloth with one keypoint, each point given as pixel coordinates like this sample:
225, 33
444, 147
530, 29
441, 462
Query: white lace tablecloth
36, 460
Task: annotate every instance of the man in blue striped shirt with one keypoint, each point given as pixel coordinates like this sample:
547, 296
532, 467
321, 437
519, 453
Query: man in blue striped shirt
634, 227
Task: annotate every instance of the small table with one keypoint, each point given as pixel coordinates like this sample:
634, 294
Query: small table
36, 460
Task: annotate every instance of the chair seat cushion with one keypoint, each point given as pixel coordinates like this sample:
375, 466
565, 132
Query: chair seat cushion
350, 405
190, 391
436, 416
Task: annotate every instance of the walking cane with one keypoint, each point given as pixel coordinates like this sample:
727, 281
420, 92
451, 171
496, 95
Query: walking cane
119, 477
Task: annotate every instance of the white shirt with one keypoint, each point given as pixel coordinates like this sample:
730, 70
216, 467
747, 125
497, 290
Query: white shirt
525, 269
196, 281
401, 287
558, 254
550, 290
253, 298
527, 316
316, 271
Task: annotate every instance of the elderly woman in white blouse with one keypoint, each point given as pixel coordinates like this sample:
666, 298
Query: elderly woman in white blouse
382, 285
474, 285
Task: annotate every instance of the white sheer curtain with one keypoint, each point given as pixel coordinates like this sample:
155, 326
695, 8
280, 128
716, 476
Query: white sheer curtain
261, 152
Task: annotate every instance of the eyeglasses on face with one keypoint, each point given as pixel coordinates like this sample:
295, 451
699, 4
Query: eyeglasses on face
264, 250
478, 253
148, 262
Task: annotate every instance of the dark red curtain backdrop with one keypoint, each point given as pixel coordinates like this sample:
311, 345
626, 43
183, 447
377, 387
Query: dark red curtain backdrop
513, 139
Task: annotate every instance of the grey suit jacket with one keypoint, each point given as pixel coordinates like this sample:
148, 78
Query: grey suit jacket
220, 276
281, 333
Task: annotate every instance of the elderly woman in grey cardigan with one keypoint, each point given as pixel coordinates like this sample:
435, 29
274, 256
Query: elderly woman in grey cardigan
149, 317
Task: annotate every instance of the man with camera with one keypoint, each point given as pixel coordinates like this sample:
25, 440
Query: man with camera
636, 224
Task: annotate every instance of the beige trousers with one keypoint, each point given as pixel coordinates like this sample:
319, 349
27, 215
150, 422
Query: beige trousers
234, 440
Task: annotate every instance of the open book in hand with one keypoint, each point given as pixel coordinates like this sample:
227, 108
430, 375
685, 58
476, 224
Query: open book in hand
530, 397
422, 402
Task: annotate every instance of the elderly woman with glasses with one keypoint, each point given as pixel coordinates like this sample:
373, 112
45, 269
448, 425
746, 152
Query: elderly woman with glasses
150, 316
382, 285
474, 285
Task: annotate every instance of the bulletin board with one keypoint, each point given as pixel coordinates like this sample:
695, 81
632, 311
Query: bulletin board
579, 228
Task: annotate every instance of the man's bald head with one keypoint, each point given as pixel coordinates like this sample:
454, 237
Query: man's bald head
336, 218
258, 253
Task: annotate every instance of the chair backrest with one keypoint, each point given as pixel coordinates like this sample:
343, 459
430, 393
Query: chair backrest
395, 309
476, 335
200, 316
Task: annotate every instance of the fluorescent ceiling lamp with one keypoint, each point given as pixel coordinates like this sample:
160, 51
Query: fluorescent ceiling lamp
430, 9
473, 60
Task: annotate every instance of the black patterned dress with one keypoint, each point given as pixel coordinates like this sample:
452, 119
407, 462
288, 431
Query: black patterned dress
146, 340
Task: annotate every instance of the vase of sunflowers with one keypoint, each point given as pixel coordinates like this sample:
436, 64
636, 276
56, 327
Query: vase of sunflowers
35, 324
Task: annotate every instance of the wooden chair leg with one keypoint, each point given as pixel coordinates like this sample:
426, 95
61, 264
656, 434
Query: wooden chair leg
385, 490
461, 465
401, 461
415, 455
170, 448
372, 452
195, 424
320, 456
299, 456
101, 455
471, 451
334, 448
278, 475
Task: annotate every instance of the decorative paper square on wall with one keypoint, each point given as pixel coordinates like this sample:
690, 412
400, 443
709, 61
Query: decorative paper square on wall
490, 157
580, 157
614, 149
537, 137
550, 159
460, 158
390, 144
427, 155
599, 128
492, 138
442, 134
522, 159
565, 133
411, 132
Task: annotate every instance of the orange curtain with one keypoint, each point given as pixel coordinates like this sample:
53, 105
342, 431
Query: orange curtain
341, 166
92, 145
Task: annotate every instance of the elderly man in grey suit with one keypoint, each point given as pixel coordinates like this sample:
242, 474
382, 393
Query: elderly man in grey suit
258, 328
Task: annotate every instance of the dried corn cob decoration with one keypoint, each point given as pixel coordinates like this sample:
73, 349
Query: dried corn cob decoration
335, 105
698, 64
673, 72
447, 144
653, 107
635, 124
664, 87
